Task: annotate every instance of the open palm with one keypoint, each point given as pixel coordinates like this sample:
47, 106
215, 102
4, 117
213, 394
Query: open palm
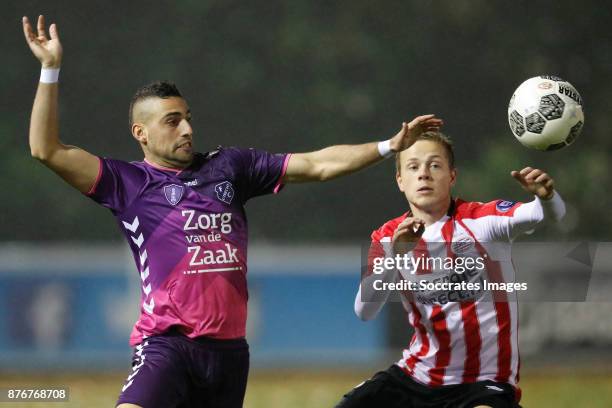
47, 50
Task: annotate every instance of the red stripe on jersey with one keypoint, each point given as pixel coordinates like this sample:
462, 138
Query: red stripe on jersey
471, 326
502, 314
504, 355
443, 355
415, 358
473, 342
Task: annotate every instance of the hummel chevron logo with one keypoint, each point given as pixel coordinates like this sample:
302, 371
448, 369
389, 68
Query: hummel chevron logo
143, 257
144, 274
148, 307
494, 388
138, 241
133, 226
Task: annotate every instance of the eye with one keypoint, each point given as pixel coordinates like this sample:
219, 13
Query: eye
412, 167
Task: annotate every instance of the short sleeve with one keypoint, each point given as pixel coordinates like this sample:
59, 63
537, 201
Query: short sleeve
117, 185
262, 171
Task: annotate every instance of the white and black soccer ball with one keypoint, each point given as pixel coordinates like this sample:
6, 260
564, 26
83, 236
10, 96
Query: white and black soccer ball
545, 113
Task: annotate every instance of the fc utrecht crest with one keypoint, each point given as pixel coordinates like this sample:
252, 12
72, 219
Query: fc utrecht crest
225, 192
174, 193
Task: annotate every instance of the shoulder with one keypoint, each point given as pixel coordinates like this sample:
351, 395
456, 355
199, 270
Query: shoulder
388, 228
475, 209
122, 167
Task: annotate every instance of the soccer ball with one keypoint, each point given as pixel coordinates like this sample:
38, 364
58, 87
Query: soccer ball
545, 113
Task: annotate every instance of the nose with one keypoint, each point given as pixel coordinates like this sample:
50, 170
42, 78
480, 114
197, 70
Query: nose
186, 130
424, 173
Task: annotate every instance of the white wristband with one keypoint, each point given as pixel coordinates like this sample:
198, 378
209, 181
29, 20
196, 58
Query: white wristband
384, 149
49, 75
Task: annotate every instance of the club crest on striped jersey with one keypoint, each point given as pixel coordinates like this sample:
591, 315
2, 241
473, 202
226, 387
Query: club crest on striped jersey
463, 244
225, 192
174, 193
504, 205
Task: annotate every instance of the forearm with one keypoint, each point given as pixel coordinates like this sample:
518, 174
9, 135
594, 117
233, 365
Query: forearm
331, 162
528, 215
369, 301
44, 123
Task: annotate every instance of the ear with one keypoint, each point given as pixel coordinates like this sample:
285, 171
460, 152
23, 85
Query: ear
398, 179
453, 177
139, 131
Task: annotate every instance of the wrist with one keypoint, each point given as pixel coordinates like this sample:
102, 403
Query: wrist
548, 196
49, 75
385, 149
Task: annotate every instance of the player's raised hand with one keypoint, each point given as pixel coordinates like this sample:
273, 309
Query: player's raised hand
48, 50
407, 233
404, 138
535, 181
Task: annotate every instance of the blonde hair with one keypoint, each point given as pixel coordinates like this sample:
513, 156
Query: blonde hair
436, 137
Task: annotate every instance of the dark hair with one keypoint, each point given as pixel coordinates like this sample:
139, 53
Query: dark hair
157, 89
437, 137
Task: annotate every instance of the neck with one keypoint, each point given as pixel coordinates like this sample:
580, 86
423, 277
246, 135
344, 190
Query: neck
164, 164
431, 215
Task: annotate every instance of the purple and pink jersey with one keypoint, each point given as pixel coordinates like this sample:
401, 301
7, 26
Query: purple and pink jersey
188, 234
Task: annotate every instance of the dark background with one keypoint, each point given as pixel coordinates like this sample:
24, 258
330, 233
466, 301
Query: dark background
300, 75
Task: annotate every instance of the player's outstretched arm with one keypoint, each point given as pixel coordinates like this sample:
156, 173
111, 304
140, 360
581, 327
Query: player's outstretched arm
336, 161
78, 167
548, 205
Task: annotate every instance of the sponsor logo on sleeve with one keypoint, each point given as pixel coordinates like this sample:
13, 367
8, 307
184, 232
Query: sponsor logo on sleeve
174, 193
504, 205
225, 192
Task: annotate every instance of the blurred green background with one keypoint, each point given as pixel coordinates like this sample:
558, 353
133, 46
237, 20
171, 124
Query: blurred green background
300, 75
294, 76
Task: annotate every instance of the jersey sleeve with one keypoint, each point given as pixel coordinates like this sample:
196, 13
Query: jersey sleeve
506, 220
262, 172
117, 185
529, 215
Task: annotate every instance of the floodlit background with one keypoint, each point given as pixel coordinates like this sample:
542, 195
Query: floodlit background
291, 77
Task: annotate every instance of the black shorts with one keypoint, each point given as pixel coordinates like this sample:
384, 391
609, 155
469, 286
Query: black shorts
394, 388
171, 370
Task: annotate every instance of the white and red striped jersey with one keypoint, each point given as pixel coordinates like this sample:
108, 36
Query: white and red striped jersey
470, 340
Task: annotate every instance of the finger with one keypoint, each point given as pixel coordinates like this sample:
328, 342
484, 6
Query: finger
420, 119
542, 178
549, 183
518, 177
53, 32
27, 29
423, 118
525, 171
533, 174
41, 26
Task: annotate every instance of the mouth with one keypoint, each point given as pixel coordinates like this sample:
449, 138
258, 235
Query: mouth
425, 189
184, 146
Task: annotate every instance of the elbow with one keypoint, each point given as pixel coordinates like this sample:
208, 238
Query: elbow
43, 155
39, 155
326, 173
361, 315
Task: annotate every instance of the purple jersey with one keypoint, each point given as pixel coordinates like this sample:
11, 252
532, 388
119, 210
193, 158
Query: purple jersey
188, 233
